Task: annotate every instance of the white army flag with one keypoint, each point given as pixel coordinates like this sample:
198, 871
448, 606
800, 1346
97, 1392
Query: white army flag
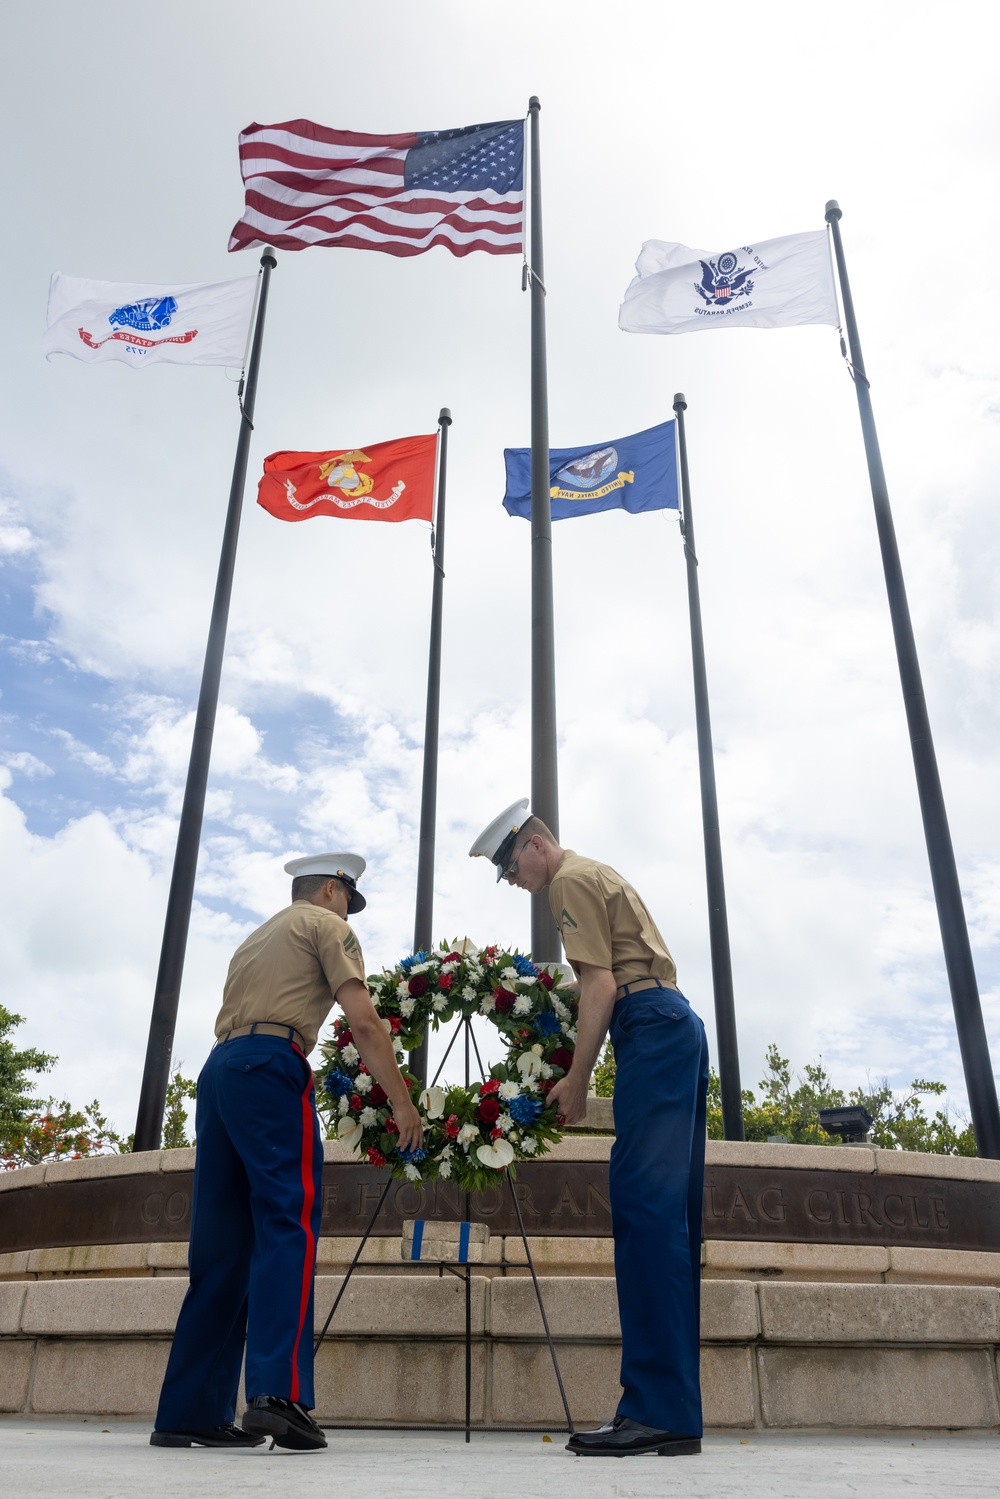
776, 283
203, 323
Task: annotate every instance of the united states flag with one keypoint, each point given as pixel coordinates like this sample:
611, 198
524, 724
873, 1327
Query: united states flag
403, 194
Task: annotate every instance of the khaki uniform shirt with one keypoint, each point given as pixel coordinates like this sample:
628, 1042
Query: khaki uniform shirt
603, 921
289, 970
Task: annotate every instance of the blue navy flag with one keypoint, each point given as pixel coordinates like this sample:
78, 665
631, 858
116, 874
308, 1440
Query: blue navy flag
632, 473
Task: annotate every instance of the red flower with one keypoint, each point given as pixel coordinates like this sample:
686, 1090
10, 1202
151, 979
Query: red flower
547, 1083
344, 1038
395, 1024
496, 1134
392, 1128
445, 981
356, 1103
562, 1058
454, 957
375, 1156
546, 980
523, 1034
451, 1126
489, 1110
418, 985
362, 1067
503, 1000
377, 1095
489, 952
493, 1086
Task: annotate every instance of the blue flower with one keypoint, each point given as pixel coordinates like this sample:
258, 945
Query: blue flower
338, 1083
417, 1154
547, 1023
418, 957
525, 1110
525, 967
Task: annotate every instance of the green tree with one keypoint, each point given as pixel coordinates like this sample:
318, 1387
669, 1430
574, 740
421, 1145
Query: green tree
16, 1096
175, 1119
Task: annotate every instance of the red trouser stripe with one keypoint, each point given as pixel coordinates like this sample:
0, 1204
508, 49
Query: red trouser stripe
308, 1198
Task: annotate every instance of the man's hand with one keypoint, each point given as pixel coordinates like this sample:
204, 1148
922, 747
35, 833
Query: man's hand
570, 1098
597, 1000
411, 1126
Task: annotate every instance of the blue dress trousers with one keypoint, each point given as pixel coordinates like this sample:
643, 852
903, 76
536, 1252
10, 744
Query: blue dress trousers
656, 1173
255, 1219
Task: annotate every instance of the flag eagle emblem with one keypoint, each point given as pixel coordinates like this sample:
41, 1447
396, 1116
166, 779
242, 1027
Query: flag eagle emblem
722, 279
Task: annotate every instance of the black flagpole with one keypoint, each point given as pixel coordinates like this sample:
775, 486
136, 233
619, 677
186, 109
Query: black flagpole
159, 1047
423, 935
545, 945
718, 921
944, 873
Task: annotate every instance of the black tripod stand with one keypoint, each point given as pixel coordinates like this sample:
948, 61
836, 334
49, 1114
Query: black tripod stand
461, 1269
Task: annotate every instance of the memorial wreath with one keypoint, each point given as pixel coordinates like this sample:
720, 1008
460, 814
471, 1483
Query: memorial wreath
470, 1133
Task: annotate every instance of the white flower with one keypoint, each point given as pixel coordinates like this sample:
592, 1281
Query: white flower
432, 1100
446, 1154
363, 1082
438, 1002
467, 1134
522, 1005
512, 1136
561, 1010
444, 1170
530, 1085
468, 992
504, 1123
350, 1055
546, 1070
485, 1004
421, 967
406, 1007
498, 1155
529, 1145
403, 988
529, 1063
413, 1173
368, 1118
509, 1090
569, 1031
387, 1026
342, 1104
537, 1048
449, 967
508, 973
350, 1133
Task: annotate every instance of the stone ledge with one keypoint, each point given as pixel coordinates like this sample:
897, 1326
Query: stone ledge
94, 1166
877, 1387
178, 1160
584, 1307
918, 1163
379, 1305
727, 1259
90, 1260
92, 1308
879, 1314
25, 1176
555, 1255
858, 1158
11, 1307
928, 1267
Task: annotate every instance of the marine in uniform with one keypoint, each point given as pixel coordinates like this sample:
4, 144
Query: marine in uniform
627, 981
257, 1201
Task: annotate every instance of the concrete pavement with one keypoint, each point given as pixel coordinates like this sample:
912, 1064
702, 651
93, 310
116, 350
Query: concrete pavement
64, 1459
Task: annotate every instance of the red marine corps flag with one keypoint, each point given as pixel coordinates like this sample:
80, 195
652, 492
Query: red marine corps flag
384, 481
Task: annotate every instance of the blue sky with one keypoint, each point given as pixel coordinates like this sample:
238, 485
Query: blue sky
115, 485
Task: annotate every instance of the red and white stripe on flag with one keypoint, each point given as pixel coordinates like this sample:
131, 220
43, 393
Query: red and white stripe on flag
310, 185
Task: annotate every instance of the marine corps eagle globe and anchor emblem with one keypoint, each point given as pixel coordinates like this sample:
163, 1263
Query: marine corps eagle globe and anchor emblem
723, 280
587, 476
341, 472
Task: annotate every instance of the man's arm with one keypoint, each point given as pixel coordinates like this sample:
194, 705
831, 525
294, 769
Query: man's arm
378, 1056
597, 1000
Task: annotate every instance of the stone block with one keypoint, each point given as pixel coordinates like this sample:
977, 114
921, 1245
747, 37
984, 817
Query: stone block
168, 1259
103, 1165
920, 1163
419, 1381
859, 1158
90, 1260
583, 1307
562, 1255
15, 1375
871, 1387
581, 1148
77, 1376
388, 1307
338, 1253
178, 1160
736, 1259
879, 1314
525, 1392
441, 1241
600, 1115
24, 1176
728, 1311
14, 1265
94, 1308
941, 1267
336, 1150
12, 1306
727, 1386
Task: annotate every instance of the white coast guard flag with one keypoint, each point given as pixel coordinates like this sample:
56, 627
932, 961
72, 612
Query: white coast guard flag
206, 323
776, 283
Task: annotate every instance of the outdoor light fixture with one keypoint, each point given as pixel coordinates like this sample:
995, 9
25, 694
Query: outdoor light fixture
851, 1124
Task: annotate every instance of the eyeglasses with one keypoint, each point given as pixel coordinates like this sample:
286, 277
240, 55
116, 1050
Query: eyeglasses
510, 873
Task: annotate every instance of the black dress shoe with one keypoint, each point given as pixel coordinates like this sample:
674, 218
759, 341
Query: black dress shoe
622, 1437
285, 1421
231, 1436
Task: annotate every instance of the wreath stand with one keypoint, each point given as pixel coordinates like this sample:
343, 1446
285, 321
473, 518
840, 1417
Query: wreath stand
461, 1269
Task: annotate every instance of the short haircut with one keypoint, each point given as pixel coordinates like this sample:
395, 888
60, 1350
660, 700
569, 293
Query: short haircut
305, 885
533, 825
